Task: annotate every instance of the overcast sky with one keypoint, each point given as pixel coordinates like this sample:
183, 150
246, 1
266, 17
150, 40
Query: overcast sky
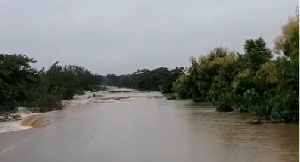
120, 36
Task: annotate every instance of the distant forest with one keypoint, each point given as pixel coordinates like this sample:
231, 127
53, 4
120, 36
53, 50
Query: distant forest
160, 79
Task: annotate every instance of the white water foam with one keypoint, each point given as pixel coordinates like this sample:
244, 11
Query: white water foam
87, 98
107, 97
15, 125
12, 126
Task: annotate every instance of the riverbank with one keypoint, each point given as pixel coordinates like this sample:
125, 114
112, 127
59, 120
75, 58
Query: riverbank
257, 118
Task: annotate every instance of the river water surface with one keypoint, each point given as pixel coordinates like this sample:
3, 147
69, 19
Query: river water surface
150, 130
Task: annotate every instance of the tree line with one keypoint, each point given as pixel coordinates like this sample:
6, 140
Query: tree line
159, 79
44, 90
255, 81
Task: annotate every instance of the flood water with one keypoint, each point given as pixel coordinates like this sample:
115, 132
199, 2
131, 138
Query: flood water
150, 130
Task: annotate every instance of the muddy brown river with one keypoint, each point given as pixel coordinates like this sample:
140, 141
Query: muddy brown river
150, 130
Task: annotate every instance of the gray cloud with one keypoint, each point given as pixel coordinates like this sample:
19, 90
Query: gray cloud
120, 36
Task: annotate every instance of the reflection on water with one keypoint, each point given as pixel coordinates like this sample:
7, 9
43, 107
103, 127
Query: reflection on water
231, 138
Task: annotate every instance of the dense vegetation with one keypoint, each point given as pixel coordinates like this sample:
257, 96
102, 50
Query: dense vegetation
256, 81
44, 90
160, 79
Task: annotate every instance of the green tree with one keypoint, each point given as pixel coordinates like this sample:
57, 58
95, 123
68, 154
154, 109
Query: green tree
16, 75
